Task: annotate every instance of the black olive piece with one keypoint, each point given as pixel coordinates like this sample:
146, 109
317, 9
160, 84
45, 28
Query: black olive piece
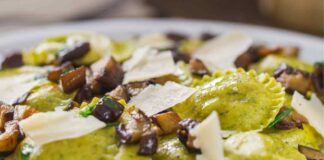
108, 110
183, 134
69, 54
12, 60
176, 37
85, 93
148, 143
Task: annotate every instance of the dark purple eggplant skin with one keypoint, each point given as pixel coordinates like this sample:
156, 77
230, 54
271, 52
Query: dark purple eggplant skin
148, 143
78, 51
108, 110
13, 60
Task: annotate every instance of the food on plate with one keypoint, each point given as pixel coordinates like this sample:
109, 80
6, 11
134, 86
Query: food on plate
160, 96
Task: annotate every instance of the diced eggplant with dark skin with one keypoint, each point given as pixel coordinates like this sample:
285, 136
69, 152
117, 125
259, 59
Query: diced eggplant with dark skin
85, 93
198, 68
177, 56
108, 110
6, 115
10, 138
107, 73
55, 73
205, 36
318, 81
176, 37
11, 134
78, 51
148, 143
133, 124
120, 92
23, 112
13, 60
183, 134
310, 153
293, 79
292, 120
167, 121
134, 88
256, 53
73, 80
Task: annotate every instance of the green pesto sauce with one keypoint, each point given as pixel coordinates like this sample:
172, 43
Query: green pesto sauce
256, 146
171, 148
98, 145
270, 63
129, 152
306, 136
47, 96
241, 101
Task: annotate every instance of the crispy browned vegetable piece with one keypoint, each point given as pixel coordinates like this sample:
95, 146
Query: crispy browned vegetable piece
318, 81
176, 37
10, 138
133, 124
183, 134
177, 56
23, 111
148, 143
73, 80
256, 53
55, 73
119, 93
85, 93
11, 135
107, 73
292, 120
12, 60
79, 50
6, 115
134, 88
310, 153
108, 110
167, 121
197, 67
293, 79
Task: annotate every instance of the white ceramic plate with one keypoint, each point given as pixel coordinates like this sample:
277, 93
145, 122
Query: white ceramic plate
312, 48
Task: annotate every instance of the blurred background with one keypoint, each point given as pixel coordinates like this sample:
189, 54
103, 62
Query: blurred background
299, 15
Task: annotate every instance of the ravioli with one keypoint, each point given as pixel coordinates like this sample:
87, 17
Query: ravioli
47, 96
170, 148
306, 136
256, 146
244, 100
270, 63
100, 144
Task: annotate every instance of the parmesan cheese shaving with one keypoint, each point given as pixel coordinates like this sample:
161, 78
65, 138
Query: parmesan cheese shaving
155, 40
221, 52
48, 127
156, 98
312, 109
15, 85
209, 139
147, 63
